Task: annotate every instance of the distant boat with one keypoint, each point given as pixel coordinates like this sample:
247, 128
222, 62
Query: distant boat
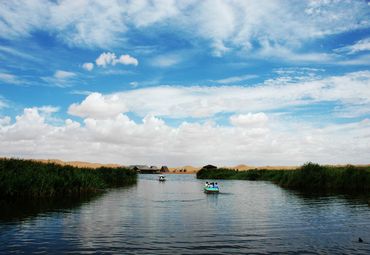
211, 189
162, 178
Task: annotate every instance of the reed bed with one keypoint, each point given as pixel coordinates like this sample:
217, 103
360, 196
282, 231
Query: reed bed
310, 176
28, 178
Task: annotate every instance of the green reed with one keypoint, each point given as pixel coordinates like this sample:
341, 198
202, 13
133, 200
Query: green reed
27, 178
310, 176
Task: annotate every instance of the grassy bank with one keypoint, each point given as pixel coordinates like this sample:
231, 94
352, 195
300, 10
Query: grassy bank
310, 176
27, 178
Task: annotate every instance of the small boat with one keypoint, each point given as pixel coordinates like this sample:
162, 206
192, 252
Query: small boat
210, 189
162, 178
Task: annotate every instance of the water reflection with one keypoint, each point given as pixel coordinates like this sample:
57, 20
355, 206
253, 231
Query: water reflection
177, 217
24, 209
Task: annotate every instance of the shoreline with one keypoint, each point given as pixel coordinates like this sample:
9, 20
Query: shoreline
35, 179
308, 177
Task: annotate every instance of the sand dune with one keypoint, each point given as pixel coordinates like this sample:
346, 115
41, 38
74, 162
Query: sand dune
80, 164
180, 170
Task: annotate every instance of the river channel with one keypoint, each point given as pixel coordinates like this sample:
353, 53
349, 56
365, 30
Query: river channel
176, 217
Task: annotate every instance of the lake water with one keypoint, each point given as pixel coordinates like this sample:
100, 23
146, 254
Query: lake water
176, 217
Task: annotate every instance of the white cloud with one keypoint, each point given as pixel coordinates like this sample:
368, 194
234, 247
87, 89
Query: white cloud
166, 60
350, 90
363, 60
98, 106
29, 126
256, 139
362, 45
17, 53
224, 25
127, 60
249, 120
61, 79
236, 79
88, 23
256, 25
106, 59
47, 109
60, 74
286, 54
3, 103
88, 66
109, 58
81, 92
9, 78
5, 121
134, 84
20, 18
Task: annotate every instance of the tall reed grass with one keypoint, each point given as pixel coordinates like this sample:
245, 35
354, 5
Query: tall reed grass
28, 178
310, 176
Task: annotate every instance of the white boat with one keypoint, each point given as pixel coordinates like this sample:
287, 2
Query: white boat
211, 188
162, 178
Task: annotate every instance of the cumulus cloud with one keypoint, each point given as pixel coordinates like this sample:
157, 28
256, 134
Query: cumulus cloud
98, 106
127, 60
121, 140
88, 66
107, 134
5, 121
108, 58
248, 120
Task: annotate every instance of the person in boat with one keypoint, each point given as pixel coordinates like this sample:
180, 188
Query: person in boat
215, 186
206, 185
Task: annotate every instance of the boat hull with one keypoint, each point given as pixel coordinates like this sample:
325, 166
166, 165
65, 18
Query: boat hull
211, 190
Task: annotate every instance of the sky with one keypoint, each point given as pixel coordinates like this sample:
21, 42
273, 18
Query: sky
176, 83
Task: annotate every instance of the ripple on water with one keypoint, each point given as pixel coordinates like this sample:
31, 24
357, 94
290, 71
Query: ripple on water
176, 217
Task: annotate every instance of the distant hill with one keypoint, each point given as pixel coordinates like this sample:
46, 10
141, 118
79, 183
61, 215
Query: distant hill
188, 169
80, 164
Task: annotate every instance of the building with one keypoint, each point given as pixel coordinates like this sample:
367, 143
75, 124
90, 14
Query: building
144, 169
164, 169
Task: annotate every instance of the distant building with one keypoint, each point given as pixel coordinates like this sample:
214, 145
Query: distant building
164, 169
144, 169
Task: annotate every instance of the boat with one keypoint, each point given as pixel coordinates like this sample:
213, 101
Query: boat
211, 189
162, 178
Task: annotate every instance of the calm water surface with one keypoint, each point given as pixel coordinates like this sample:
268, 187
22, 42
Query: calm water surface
176, 217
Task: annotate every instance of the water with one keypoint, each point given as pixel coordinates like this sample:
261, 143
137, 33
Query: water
176, 217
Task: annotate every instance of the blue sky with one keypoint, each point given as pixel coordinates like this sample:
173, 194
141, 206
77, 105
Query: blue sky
186, 82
